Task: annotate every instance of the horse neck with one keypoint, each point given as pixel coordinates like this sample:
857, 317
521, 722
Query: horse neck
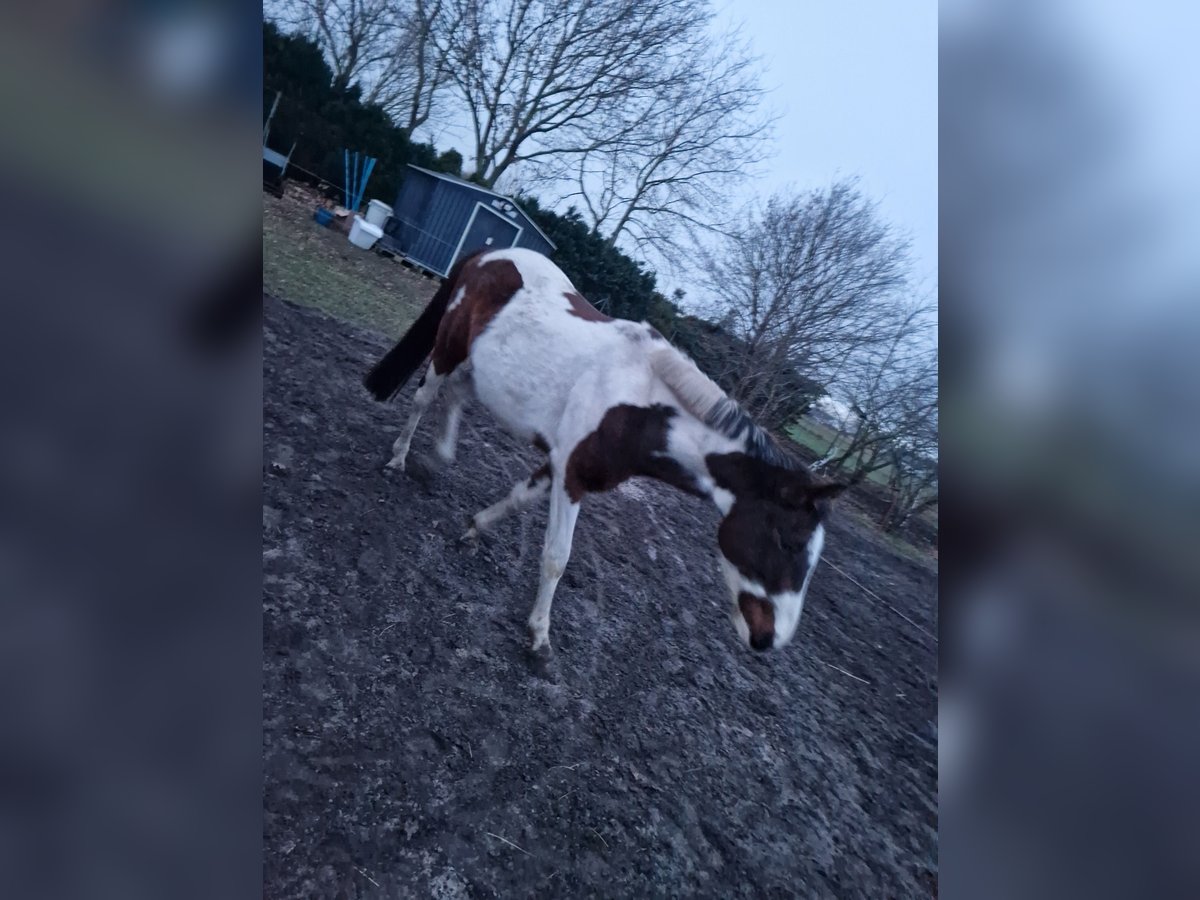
689, 443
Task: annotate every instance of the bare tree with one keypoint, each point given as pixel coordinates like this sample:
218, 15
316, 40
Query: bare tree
356, 35
914, 476
409, 84
387, 47
892, 388
805, 283
542, 78
679, 149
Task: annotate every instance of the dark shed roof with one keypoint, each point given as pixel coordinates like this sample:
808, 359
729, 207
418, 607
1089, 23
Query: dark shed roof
481, 189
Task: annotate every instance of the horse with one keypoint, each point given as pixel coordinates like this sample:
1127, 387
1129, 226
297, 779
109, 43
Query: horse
605, 400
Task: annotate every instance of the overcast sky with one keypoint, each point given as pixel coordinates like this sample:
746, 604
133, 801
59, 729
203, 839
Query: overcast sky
856, 83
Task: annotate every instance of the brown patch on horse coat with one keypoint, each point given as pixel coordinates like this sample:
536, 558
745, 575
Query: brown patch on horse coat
629, 441
486, 287
584, 310
760, 619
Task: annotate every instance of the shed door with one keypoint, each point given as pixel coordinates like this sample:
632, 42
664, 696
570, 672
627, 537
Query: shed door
487, 228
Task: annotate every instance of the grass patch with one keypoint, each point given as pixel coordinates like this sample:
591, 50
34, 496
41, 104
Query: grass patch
810, 434
319, 267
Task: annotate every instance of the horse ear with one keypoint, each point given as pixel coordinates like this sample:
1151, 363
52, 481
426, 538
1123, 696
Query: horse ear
792, 493
820, 495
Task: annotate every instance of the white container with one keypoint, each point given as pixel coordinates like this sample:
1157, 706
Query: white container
378, 212
364, 234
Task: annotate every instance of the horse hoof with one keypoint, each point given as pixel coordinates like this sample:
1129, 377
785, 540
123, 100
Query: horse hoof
542, 664
470, 543
471, 535
422, 470
396, 464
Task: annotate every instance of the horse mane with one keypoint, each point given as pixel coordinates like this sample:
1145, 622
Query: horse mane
703, 398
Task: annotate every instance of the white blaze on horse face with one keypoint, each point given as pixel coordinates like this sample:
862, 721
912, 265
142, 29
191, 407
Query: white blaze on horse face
788, 605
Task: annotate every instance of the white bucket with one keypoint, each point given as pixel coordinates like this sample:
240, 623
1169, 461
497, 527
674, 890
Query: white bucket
364, 234
378, 212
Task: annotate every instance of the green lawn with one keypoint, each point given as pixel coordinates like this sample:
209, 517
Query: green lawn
811, 434
315, 266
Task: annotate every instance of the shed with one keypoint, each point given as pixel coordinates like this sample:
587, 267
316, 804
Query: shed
438, 218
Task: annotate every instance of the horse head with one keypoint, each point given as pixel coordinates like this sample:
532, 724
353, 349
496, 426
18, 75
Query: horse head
770, 540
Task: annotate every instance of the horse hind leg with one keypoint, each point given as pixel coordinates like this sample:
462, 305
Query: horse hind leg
427, 391
458, 387
523, 493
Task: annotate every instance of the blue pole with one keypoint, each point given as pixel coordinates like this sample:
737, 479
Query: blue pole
362, 188
346, 176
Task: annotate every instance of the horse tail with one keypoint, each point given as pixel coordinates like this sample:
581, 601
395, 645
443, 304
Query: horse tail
391, 373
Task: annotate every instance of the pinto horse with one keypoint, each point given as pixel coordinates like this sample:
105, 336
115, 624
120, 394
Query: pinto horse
607, 399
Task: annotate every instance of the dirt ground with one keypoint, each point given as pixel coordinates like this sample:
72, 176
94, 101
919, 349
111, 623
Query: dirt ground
409, 751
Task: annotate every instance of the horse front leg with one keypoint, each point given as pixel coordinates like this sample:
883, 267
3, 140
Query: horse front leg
555, 553
523, 493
